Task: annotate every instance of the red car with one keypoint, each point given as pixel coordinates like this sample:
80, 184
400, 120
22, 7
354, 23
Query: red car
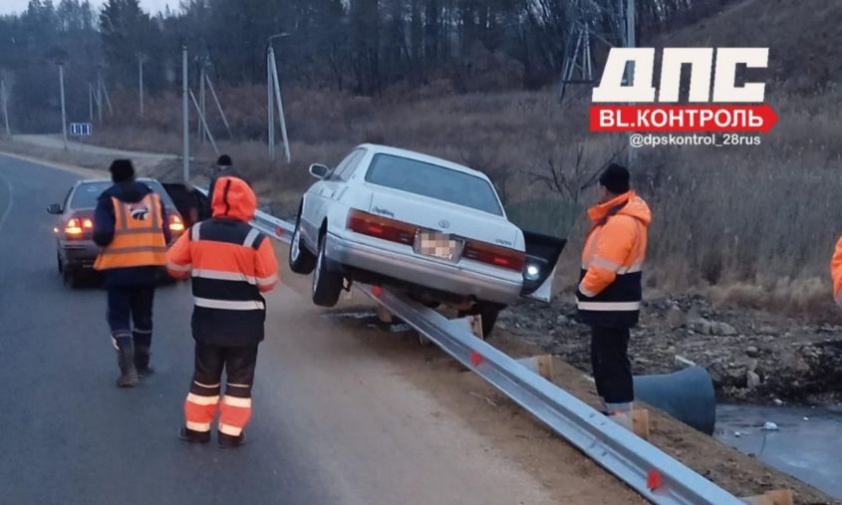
75, 248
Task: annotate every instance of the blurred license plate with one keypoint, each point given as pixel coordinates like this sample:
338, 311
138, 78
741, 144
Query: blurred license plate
438, 245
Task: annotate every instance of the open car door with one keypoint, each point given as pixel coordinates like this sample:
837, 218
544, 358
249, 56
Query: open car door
191, 203
544, 223
542, 253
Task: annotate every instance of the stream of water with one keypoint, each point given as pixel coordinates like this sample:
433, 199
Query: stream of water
807, 443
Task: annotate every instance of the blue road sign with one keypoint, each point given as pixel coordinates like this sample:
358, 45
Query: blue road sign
81, 129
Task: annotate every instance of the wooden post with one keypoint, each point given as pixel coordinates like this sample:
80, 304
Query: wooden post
545, 367
777, 497
384, 315
640, 423
542, 365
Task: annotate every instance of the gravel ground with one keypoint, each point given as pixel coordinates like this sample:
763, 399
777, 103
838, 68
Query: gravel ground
752, 356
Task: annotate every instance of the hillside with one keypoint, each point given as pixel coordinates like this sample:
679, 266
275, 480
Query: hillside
804, 37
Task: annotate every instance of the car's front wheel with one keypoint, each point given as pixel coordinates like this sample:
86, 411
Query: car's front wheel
327, 285
301, 261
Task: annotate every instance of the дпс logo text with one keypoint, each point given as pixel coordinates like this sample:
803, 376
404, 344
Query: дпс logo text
712, 81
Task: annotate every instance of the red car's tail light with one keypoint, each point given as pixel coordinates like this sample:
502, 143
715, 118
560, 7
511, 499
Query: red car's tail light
176, 224
495, 255
73, 228
381, 227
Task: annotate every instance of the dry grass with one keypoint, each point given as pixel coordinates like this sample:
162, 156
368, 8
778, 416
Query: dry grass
729, 216
750, 225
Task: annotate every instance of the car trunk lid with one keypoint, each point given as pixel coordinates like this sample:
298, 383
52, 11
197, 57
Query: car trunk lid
444, 217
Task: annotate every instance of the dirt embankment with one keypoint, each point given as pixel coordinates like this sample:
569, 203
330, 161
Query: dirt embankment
752, 355
529, 442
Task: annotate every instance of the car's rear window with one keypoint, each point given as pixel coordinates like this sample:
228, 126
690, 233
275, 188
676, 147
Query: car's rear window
87, 193
433, 181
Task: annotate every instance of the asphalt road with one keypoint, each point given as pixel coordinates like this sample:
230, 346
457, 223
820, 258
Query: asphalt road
332, 423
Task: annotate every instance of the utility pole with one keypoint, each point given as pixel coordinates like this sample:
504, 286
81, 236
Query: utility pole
99, 95
185, 111
107, 98
202, 101
204, 123
141, 59
91, 102
219, 106
4, 95
281, 115
63, 108
270, 105
631, 41
275, 86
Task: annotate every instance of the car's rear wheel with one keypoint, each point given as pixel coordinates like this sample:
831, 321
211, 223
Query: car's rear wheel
72, 277
301, 261
327, 285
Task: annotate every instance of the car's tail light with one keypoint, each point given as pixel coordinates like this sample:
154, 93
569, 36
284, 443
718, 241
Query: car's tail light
78, 227
381, 227
490, 254
176, 224
73, 228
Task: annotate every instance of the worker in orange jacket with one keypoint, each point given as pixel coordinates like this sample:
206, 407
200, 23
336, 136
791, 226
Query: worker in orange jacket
231, 264
132, 227
609, 292
836, 272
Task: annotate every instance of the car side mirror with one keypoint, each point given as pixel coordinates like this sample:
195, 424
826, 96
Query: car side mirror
319, 171
55, 209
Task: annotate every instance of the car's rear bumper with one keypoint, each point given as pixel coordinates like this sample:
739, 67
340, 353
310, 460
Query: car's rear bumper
79, 254
418, 271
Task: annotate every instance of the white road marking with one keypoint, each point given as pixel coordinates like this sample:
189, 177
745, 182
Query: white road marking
11, 200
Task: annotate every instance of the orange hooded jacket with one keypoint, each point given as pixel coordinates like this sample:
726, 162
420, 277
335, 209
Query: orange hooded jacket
231, 264
836, 272
610, 289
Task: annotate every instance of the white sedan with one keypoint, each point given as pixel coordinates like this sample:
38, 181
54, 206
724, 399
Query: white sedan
432, 228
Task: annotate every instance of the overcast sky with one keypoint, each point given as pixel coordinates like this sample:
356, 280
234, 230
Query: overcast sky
16, 6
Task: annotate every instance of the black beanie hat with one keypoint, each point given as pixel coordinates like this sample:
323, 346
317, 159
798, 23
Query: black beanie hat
224, 161
121, 170
615, 178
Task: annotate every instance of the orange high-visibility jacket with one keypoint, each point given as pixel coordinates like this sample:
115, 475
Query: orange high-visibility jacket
836, 272
610, 289
139, 239
231, 264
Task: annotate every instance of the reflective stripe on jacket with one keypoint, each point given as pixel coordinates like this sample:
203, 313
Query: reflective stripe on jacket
231, 264
139, 239
610, 292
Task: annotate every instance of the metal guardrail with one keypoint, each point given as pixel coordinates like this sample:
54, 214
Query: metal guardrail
657, 476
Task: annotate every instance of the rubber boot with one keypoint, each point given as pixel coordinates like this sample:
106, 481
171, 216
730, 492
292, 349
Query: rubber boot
141, 361
128, 372
194, 437
232, 442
